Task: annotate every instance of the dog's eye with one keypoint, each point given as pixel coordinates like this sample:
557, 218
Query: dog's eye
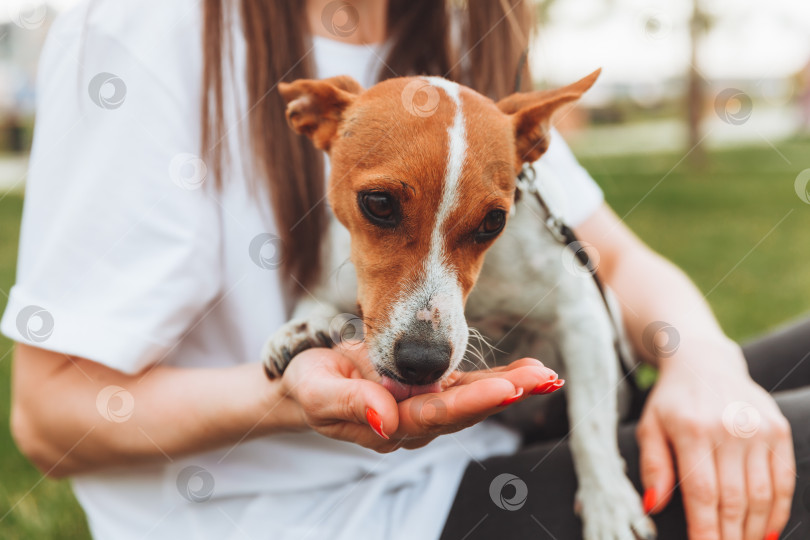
379, 207
491, 226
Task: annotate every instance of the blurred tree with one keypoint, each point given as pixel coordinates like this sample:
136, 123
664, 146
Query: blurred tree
699, 25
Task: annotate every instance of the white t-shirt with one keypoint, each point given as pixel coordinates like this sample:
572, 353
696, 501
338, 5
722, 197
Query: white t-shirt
128, 257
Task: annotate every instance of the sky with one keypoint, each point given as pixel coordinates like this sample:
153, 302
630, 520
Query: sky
648, 40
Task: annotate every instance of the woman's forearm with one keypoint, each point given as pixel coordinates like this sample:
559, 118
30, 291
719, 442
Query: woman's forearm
654, 295
665, 314
72, 415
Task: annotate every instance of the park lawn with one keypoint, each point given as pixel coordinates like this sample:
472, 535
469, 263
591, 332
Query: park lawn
716, 224
737, 228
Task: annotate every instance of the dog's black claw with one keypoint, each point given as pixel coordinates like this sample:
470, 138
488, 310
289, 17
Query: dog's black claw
268, 372
304, 345
285, 354
325, 340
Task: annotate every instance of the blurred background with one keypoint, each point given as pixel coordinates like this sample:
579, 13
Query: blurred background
698, 131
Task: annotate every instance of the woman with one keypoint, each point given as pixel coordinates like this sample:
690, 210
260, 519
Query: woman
144, 267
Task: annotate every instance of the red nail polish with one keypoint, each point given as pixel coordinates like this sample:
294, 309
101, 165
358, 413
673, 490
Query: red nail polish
375, 422
542, 388
650, 498
773, 535
509, 401
558, 384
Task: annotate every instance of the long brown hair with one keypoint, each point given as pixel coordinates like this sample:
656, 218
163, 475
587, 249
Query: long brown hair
492, 60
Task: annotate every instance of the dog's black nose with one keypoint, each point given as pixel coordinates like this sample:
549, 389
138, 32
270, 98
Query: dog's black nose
421, 362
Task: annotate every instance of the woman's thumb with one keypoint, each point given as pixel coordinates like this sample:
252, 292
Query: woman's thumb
656, 464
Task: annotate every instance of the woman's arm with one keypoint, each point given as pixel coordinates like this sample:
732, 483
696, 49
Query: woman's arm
65, 422
736, 483
71, 415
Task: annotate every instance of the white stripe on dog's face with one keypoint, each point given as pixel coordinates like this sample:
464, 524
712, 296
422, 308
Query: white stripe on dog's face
437, 297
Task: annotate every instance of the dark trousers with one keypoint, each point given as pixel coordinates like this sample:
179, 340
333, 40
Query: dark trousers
779, 362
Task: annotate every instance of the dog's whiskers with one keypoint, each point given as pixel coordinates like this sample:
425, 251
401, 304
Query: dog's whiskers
477, 350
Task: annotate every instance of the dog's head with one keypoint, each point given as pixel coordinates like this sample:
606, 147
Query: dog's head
423, 176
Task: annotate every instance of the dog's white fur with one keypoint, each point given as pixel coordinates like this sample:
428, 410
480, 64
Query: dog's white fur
529, 303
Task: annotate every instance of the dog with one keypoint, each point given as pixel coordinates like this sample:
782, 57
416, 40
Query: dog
422, 185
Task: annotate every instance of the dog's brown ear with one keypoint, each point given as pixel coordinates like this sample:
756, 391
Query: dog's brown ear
532, 113
315, 107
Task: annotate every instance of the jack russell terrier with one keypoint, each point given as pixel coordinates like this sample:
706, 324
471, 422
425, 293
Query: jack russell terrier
421, 192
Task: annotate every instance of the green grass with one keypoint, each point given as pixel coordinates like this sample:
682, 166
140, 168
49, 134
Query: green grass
30, 506
707, 222
720, 226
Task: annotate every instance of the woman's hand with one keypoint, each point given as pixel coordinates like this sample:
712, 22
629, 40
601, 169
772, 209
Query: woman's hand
729, 441
336, 400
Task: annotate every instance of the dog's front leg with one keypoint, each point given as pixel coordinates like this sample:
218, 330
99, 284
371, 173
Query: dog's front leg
606, 500
309, 327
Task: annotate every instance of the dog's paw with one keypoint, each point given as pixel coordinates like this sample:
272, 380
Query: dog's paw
293, 337
613, 513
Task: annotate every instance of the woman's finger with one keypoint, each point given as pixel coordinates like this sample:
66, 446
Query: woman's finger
527, 374
655, 461
760, 492
321, 385
783, 473
731, 465
695, 458
455, 408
